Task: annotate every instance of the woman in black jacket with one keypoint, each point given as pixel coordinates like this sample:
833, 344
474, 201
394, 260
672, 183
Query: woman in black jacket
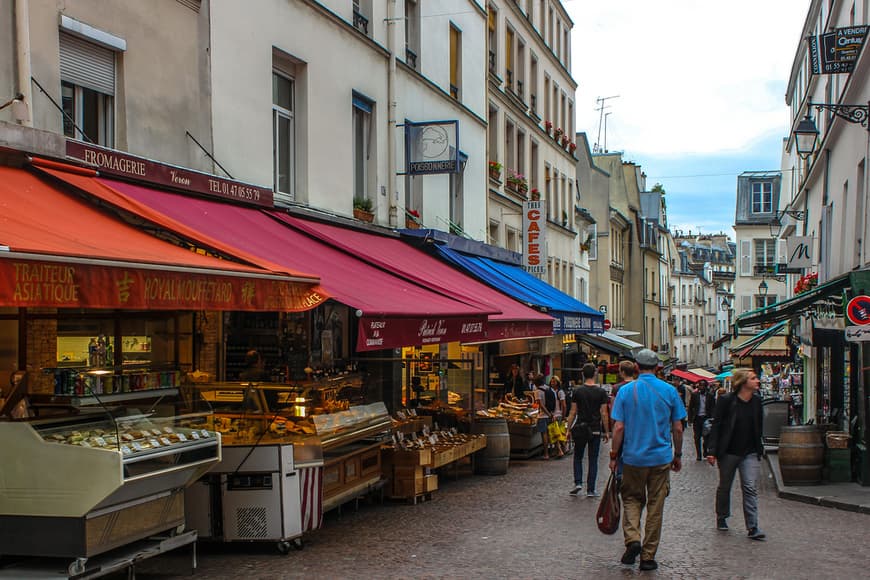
735, 442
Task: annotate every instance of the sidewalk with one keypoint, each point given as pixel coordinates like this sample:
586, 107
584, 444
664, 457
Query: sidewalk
852, 497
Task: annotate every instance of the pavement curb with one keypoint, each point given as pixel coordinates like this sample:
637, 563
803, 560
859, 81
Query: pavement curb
785, 492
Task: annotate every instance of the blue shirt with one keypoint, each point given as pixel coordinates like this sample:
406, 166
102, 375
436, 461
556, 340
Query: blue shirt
648, 407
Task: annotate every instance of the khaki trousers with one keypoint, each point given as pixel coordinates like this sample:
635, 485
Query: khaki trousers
644, 487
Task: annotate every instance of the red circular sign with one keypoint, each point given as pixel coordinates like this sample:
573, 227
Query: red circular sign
858, 310
607, 324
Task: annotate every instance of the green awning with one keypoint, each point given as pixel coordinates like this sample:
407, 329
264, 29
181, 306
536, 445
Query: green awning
751, 344
793, 306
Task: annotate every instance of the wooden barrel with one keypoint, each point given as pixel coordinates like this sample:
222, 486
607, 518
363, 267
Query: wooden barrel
492, 459
801, 454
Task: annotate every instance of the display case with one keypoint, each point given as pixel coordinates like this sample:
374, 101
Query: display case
101, 472
291, 453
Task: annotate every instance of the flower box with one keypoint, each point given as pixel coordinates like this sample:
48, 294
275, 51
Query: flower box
411, 224
363, 215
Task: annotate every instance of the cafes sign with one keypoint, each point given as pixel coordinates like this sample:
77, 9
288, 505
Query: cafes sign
116, 163
534, 221
32, 283
835, 52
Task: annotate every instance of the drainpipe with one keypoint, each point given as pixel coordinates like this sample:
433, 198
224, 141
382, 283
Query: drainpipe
22, 49
392, 192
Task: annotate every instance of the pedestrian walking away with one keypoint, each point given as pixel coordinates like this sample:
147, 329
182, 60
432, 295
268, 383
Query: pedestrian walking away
736, 444
701, 407
648, 417
588, 422
547, 403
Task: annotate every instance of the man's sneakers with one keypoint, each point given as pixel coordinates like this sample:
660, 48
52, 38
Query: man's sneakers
631, 553
576, 491
648, 565
757, 534
722, 524
593, 494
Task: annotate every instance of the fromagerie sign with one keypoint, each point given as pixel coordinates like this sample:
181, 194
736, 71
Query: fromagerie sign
25, 283
111, 162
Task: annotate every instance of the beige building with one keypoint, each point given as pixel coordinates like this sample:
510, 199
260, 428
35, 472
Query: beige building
530, 117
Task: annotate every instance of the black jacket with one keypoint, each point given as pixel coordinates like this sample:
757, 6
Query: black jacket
516, 384
723, 425
695, 404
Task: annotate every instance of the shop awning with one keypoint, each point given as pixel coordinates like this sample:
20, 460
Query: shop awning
612, 343
571, 315
58, 251
393, 311
513, 320
764, 341
787, 308
688, 376
703, 373
720, 341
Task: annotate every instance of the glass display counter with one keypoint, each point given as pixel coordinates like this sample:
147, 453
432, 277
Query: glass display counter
291, 452
97, 475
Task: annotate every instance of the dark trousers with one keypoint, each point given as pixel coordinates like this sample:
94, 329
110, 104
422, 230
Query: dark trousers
594, 446
698, 429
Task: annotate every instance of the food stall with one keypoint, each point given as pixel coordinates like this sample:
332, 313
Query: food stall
522, 417
96, 472
283, 443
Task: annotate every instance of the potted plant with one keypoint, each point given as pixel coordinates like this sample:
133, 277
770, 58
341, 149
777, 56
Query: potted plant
557, 133
362, 209
495, 170
517, 182
548, 126
806, 283
572, 147
535, 194
565, 141
412, 219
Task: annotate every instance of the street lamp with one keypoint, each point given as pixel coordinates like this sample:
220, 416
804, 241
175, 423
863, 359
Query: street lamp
806, 133
776, 221
762, 288
725, 304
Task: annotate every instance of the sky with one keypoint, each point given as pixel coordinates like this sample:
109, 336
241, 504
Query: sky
701, 93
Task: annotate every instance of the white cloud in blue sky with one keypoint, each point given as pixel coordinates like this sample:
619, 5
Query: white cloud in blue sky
701, 88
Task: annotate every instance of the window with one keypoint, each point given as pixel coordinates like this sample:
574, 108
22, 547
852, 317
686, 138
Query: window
361, 14
521, 72
533, 85
87, 73
493, 133
513, 240
457, 187
762, 301
362, 143
762, 197
493, 233
412, 32
283, 135
455, 62
765, 252
509, 58
492, 31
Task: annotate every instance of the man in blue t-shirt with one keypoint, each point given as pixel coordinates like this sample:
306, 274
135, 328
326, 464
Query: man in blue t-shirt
648, 415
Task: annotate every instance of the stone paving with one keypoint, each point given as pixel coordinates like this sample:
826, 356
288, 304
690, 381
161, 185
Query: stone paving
525, 525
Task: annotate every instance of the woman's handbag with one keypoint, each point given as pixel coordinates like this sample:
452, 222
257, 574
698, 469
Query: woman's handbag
556, 430
610, 508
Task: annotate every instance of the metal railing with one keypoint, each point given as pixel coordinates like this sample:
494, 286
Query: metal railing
361, 23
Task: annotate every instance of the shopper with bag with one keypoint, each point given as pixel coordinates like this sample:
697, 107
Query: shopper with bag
588, 422
547, 403
557, 429
736, 444
648, 414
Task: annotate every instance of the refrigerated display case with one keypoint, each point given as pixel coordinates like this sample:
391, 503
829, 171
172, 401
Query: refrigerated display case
100, 473
291, 452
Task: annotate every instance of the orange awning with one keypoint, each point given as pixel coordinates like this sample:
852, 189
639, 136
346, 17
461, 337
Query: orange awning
57, 250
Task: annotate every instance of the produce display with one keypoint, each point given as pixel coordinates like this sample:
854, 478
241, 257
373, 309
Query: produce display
513, 409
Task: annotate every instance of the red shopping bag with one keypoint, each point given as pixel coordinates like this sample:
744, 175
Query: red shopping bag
610, 508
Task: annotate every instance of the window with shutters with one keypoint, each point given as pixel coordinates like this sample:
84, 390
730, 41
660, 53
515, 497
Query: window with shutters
455, 63
762, 301
87, 74
765, 255
745, 258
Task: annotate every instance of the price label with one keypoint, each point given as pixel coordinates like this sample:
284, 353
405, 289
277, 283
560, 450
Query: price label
182, 437
154, 442
204, 433
194, 434
156, 432
125, 449
165, 441
136, 445
100, 441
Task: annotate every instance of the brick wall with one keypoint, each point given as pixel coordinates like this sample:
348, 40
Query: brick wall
41, 352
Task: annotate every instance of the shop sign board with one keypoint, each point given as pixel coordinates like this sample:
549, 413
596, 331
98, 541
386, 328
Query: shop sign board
115, 163
32, 283
835, 52
576, 323
858, 310
800, 253
858, 333
534, 240
432, 147
377, 333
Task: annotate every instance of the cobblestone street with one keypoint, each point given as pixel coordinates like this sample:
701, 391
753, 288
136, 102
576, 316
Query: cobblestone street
525, 525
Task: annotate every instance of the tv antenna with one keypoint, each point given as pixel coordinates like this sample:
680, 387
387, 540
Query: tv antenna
601, 119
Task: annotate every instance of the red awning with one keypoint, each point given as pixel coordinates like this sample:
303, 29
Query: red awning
58, 251
394, 312
515, 320
691, 377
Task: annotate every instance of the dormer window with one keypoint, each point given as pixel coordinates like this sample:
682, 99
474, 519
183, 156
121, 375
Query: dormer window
762, 197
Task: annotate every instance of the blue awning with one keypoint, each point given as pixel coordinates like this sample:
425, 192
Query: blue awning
571, 316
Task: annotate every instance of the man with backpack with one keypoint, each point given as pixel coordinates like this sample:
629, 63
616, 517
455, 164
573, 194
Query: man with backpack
589, 407
547, 402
